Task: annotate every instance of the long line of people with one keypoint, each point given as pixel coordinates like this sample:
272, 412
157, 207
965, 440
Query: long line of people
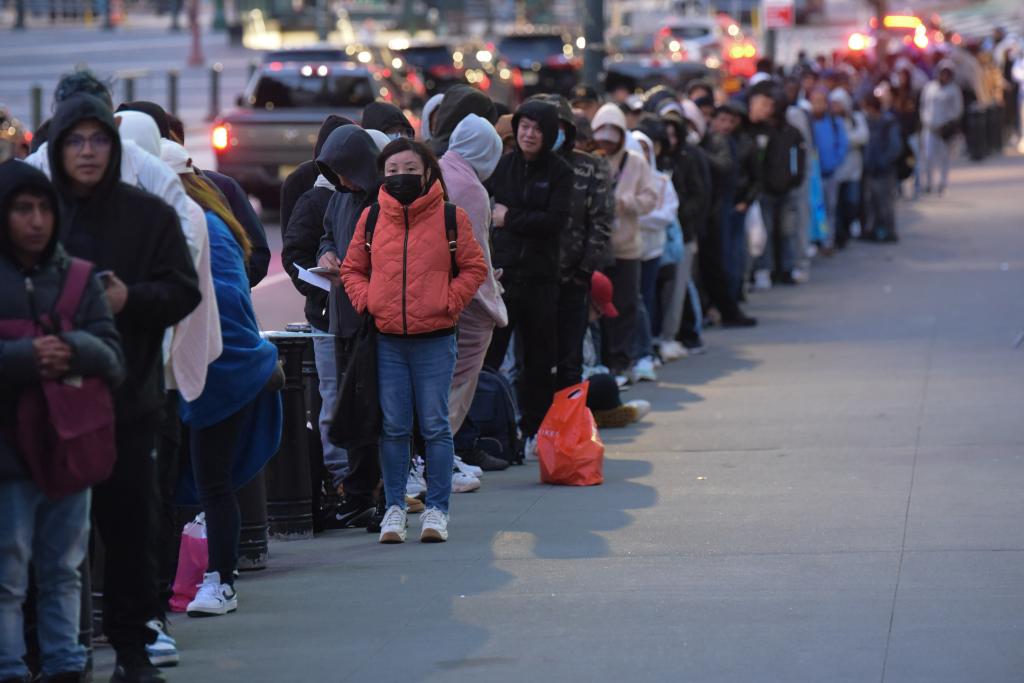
567, 240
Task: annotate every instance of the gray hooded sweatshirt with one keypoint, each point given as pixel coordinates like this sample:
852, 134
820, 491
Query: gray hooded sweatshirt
352, 151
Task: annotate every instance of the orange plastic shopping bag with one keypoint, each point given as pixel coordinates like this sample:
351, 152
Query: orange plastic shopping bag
568, 447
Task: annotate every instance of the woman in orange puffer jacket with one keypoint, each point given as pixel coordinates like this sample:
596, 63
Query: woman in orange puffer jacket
404, 279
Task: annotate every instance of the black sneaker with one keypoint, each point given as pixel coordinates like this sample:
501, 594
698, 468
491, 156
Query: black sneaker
484, 460
784, 278
351, 513
136, 669
376, 517
739, 320
65, 677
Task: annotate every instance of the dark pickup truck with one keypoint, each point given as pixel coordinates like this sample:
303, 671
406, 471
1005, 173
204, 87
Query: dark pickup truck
275, 125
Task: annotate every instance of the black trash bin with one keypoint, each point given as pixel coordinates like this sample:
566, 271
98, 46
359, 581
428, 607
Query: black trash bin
994, 128
976, 133
288, 479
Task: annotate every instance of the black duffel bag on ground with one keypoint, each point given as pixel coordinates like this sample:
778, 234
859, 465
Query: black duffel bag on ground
357, 417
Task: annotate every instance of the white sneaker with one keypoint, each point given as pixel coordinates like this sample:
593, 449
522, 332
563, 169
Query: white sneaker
393, 526
463, 482
213, 598
435, 526
621, 380
644, 370
642, 407
812, 250
530, 449
801, 276
672, 350
472, 470
762, 280
164, 650
416, 484
855, 228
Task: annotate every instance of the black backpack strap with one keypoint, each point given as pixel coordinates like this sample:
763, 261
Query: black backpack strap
451, 233
371, 225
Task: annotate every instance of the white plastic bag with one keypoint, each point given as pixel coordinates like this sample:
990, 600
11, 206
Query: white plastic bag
757, 234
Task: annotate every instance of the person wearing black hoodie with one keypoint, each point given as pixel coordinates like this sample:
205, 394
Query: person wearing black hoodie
459, 102
151, 285
533, 191
302, 178
300, 244
388, 119
51, 535
348, 160
583, 244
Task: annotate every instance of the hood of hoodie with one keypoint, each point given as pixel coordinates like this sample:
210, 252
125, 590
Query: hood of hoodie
379, 138
476, 141
610, 115
544, 114
155, 111
565, 116
459, 102
432, 104
648, 153
15, 177
141, 129
70, 113
330, 124
383, 116
842, 97
350, 148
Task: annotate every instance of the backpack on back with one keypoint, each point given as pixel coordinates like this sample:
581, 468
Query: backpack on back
492, 422
451, 231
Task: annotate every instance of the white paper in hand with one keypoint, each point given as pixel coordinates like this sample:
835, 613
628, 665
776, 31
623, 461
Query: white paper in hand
313, 279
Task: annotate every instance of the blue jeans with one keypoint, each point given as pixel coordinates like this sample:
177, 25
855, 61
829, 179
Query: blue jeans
734, 250
335, 458
53, 536
647, 311
415, 374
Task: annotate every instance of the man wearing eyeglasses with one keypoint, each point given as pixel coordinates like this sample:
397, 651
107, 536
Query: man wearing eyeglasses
135, 241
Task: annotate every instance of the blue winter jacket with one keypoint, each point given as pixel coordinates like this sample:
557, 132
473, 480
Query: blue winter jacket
830, 139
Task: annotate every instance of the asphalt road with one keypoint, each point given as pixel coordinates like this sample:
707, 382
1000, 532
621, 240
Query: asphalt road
832, 496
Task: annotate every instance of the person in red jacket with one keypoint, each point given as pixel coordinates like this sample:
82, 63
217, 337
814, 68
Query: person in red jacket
404, 277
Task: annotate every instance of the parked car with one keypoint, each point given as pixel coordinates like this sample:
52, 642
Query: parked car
275, 125
437, 65
541, 62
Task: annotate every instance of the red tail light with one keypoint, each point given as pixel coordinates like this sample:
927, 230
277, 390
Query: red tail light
219, 138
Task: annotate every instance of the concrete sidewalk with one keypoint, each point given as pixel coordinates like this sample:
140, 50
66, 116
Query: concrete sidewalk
832, 496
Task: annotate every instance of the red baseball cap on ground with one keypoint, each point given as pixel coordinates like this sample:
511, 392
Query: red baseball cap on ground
601, 295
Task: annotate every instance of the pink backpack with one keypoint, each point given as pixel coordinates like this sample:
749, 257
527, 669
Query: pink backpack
65, 427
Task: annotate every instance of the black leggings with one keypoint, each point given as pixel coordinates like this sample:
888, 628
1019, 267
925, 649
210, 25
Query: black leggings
213, 452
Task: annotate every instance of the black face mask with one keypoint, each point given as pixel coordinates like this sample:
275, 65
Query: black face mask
405, 187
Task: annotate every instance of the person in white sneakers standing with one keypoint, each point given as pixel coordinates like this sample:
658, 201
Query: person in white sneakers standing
406, 269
